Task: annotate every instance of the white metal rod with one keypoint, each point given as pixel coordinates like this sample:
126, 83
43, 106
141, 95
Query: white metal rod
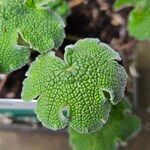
16, 104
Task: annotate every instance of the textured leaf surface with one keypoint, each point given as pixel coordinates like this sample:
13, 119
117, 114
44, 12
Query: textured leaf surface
41, 28
12, 56
120, 126
139, 18
70, 91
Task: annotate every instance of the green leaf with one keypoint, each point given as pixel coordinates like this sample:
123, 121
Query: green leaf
121, 125
41, 28
139, 22
121, 3
71, 91
139, 18
61, 7
12, 56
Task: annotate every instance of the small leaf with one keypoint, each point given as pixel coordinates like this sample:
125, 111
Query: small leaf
121, 125
41, 28
76, 85
139, 18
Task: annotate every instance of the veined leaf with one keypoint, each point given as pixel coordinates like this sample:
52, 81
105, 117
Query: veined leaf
78, 90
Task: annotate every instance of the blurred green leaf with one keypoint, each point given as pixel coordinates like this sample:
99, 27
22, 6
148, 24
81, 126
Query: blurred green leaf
61, 7
139, 18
